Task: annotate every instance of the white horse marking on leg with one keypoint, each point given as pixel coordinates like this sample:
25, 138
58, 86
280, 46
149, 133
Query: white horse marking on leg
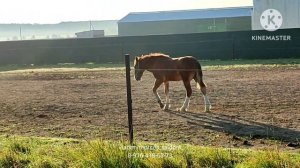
157, 97
207, 103
167, 105
185, 104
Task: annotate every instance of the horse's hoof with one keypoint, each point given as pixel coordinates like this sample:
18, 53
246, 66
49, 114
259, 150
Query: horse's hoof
166, 107
207, 109
181, 110
161, 106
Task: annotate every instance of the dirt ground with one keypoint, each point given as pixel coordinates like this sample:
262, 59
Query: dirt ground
251, 108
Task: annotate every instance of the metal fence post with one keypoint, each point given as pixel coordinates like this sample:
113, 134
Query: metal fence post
129, 100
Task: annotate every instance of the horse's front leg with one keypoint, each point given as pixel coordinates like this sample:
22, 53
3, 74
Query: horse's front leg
167, 105
155, 87
188, 88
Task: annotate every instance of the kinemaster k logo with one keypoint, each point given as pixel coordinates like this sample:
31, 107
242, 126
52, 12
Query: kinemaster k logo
271, 19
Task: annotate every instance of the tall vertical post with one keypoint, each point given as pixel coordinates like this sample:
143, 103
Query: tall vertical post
20, 33
129, 100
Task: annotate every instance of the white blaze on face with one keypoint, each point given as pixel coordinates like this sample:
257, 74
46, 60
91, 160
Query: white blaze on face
135, 64
135, 74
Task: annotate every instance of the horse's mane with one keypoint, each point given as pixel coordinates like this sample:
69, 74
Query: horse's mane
155, 55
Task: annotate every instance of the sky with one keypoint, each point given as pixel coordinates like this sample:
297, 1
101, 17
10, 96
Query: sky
55, 11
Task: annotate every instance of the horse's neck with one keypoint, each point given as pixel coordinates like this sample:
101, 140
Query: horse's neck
148, 63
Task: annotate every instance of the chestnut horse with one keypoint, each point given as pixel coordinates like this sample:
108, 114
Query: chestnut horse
165, 69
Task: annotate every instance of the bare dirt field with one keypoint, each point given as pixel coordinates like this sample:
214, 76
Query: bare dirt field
252, 108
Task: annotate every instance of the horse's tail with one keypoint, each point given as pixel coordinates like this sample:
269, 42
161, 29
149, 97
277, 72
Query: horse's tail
199, 77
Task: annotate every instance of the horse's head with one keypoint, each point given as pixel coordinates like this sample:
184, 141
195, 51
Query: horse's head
138, 70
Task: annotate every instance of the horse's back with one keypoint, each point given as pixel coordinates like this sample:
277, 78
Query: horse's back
175, 69
186, 62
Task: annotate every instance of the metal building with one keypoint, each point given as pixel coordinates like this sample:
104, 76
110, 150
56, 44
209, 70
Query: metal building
90, 34
186, 21
289, 9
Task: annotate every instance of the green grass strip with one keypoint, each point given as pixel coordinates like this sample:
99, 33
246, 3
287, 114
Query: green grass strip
53, 152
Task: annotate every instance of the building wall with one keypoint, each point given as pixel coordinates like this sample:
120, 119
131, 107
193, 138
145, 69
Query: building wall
183, 26
289, 9
221, 45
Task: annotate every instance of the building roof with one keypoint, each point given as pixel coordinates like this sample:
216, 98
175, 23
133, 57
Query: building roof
90, 31
188, 14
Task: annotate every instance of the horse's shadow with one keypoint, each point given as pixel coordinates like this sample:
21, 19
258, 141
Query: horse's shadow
237, 126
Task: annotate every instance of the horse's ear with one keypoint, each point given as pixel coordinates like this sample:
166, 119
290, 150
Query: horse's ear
137, 59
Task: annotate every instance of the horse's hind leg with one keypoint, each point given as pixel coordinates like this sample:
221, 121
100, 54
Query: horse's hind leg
206, 100
156, 85
188, 88
167, 105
